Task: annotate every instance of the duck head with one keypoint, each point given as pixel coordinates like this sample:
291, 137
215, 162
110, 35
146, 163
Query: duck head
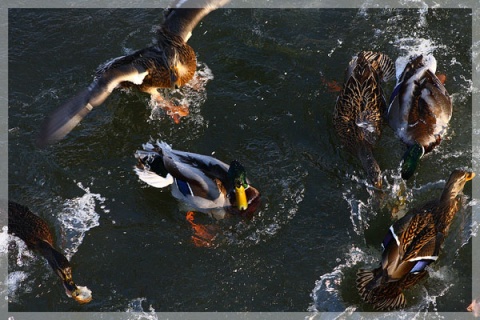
243, 196
456, 182
62, 268
411, 159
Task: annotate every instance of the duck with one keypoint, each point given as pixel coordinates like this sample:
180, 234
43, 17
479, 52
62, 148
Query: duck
410, 245
34, 231
420, 110
359, 109
204, 183
170, 63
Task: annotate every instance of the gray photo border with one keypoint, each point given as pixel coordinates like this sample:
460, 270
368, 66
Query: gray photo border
7, 4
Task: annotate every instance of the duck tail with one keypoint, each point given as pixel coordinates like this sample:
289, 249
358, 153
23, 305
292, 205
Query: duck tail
381, 63
150, 168
383, 296
411, 159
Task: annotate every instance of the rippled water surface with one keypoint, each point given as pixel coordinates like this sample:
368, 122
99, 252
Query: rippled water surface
264, 96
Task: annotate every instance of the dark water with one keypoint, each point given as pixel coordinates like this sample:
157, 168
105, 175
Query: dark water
269, 106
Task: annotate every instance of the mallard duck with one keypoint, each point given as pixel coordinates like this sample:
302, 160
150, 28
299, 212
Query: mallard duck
420, 110
358, 113
169, 63
34, 231
202, 182
412, 243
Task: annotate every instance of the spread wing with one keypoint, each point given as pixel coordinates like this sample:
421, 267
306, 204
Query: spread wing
184, 15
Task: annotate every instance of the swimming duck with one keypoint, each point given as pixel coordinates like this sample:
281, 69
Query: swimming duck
34, 231
358, 113
168, 64
204, 183
420, 110
412, 243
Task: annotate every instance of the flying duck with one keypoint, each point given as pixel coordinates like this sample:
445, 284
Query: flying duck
168, 64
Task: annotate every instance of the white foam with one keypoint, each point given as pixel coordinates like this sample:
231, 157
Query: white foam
4, 240
193, 95
77, 218
136, 309
326, 294
412, 46
15, 280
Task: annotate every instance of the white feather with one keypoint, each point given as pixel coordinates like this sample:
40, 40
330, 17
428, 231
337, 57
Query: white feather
153, 179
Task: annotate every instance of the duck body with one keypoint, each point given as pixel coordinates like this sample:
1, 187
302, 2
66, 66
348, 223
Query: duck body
358, 113
412, 243
36, 234
204, 183
420, 110
171, 63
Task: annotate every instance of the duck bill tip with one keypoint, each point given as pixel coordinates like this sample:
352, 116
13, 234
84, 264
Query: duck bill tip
470, 176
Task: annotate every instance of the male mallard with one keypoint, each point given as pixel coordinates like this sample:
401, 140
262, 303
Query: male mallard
169, 63
204, 183
34, 231
412, 243
358, 113
420, 109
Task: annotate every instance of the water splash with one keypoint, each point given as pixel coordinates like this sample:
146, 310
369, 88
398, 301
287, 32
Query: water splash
4, 239
77, 218
326, 295
136, 309
193, 95
17, 281
412, 46
270, 219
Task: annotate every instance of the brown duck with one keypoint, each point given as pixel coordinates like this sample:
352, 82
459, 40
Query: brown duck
411, 244
34, 231
358, 114
420, 110
168, 64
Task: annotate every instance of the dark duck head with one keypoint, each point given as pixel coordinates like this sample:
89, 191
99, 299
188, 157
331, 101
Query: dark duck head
34, 231
243, 197
168, 64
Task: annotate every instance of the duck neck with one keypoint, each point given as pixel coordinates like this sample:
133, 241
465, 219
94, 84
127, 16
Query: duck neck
370, 165
449, 206
57, 261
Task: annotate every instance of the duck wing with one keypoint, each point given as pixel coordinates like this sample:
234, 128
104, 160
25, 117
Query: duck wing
68, 115
183, 15
412, 243
205, 175
360, 100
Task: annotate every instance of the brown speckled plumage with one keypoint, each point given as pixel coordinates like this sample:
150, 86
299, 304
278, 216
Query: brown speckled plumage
358, 114
411, 244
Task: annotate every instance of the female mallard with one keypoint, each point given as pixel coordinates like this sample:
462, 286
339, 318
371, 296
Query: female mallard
412, 243
358, 113
34, 231
420, 109
204, 183
169, 63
